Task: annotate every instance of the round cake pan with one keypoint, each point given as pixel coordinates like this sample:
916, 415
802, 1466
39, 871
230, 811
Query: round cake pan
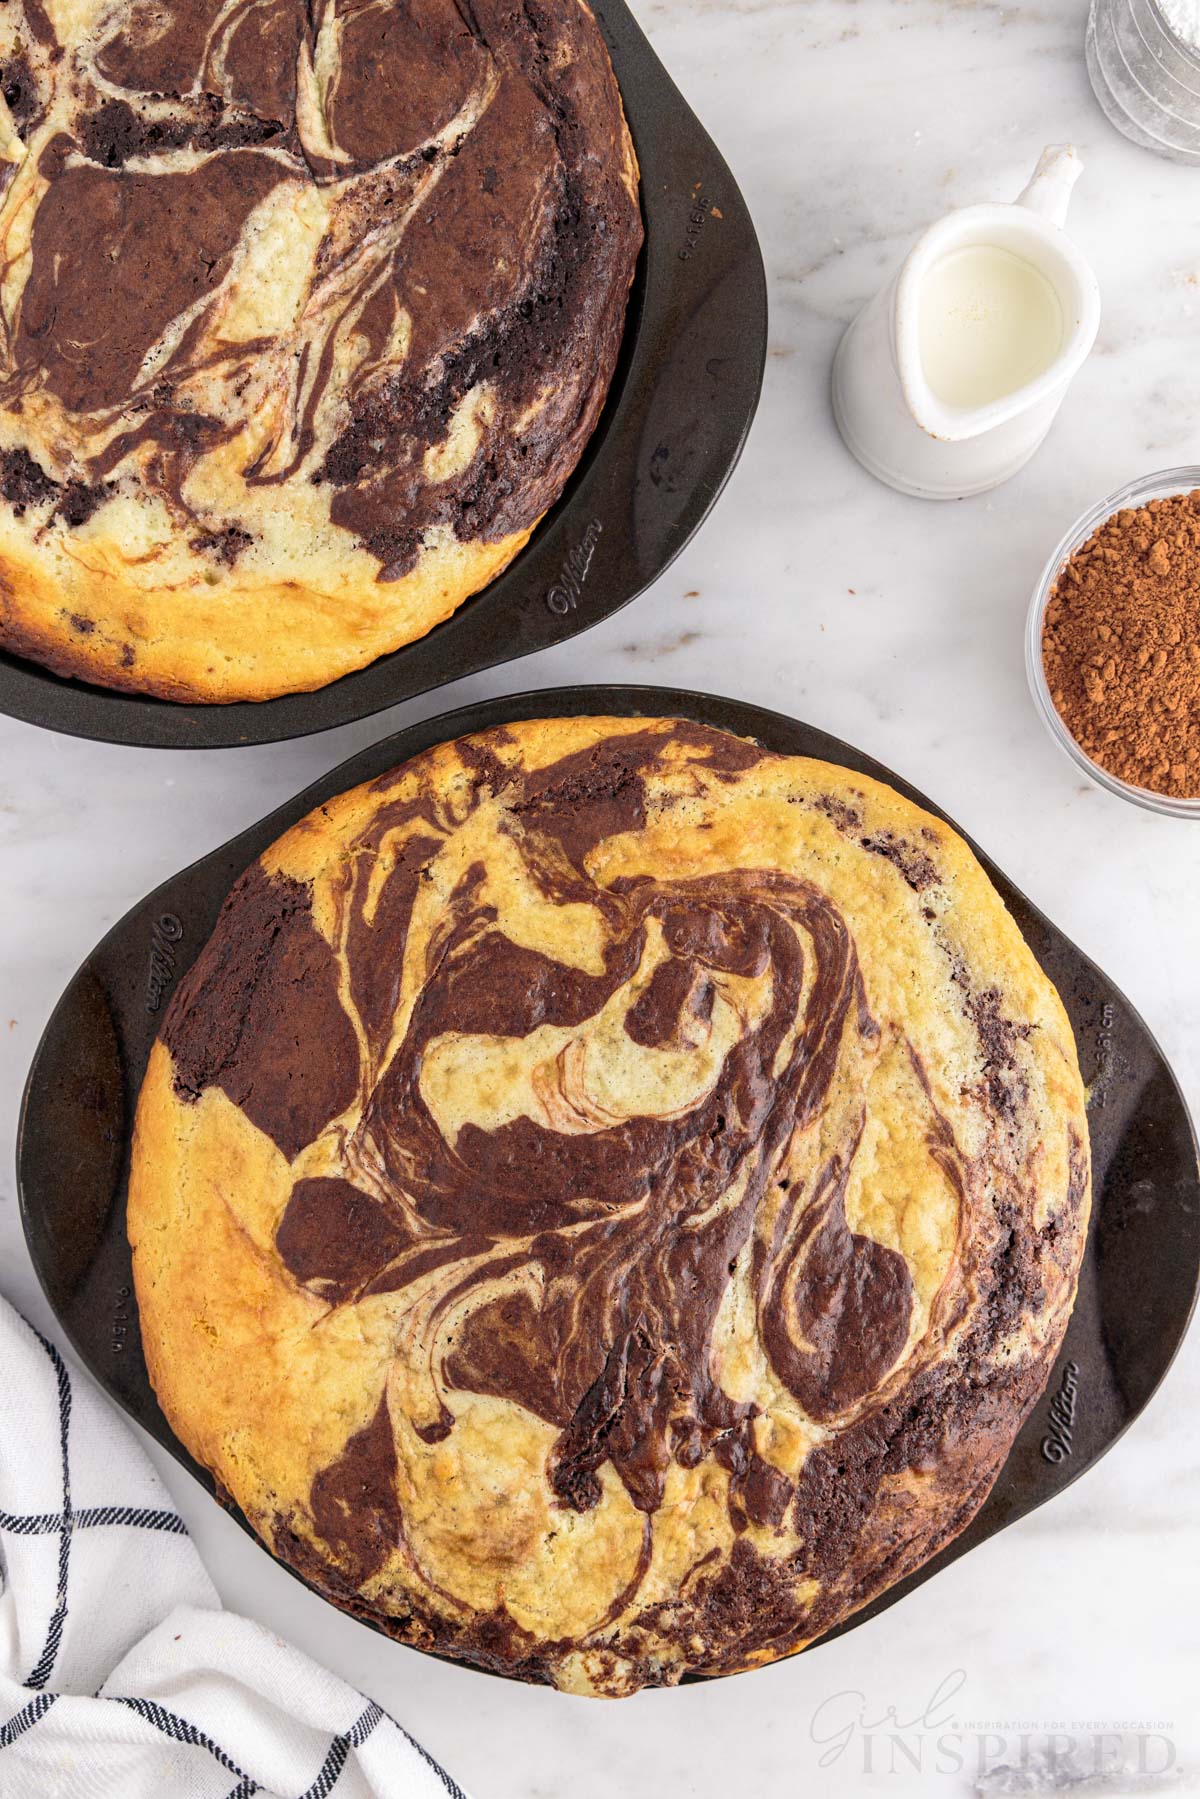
680, 406
1142, 1265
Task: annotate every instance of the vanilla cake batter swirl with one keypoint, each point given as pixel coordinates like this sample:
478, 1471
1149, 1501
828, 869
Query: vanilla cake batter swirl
606, 1197
306, 315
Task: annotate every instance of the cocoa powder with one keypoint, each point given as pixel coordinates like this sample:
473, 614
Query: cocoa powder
1121, 645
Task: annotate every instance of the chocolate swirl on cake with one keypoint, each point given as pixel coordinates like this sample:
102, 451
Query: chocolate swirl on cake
668, 1269
306, 315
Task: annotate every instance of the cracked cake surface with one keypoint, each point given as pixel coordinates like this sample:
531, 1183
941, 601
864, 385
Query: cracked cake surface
606, 1197
307, 313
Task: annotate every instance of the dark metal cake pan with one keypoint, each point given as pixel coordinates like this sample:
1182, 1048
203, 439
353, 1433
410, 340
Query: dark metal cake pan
681, 403
1142, 1264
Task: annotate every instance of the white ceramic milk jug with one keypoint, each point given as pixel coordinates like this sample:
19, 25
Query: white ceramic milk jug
937, 427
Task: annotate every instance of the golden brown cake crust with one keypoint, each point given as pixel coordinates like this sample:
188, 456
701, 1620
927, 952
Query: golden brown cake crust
606, 1197
307, 313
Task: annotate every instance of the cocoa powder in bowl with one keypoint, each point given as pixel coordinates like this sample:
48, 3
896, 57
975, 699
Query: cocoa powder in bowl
1121, 646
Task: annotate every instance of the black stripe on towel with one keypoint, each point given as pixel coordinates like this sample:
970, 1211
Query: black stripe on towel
331, 1770
22, 1720
44, 1524
58, 1618
359, 1732
173, 1726
451, 1785
339, 1750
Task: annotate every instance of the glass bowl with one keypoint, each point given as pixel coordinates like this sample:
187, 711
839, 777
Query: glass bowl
1150, 487
1146, 79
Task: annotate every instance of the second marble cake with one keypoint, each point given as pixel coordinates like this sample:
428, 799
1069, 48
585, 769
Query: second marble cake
606, 1198
307, 312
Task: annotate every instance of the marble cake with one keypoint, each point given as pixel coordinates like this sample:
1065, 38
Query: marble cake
606, 1197
308, 309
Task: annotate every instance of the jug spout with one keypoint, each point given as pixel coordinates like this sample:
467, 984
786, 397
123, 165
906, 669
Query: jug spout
1049, 189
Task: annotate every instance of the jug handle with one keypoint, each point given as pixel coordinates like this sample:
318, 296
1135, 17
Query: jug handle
1049, 189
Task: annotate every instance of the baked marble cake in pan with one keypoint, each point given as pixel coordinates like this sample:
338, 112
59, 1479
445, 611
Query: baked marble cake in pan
606, 1197
308, 309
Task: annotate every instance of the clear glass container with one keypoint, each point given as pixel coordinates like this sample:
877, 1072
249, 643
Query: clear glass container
1149, 487
1146, 79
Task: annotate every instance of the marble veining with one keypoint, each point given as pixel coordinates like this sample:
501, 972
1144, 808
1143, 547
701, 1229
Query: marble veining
897, 624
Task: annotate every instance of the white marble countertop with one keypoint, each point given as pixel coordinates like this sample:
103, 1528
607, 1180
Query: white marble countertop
894, 623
